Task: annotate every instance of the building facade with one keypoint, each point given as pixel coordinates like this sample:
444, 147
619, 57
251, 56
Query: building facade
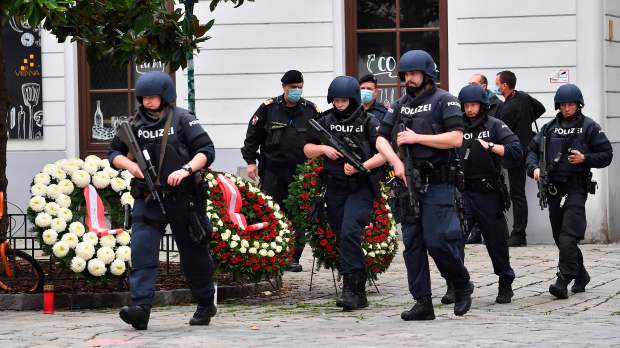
546, 43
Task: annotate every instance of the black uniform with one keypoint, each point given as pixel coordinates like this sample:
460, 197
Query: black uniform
186, 138
573, 182
494, 104
378, 110
276, 136
485, 193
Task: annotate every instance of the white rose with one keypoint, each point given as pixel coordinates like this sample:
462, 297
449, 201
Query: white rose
42, 178
270, 204
272, 245
60, 249
53, 191
85, 250
278, 249
96, 267
371, 254
256, 244
265, 246
245, 243
210, 176
77, 228
243, 250
58, 174
220, 223
59, 163
384, 245
117, 267
90, 168
111, 172
108, 241
101, 180
49, 168
58, 224
78, 264
65, 214
252, 251
236, 238
104, 163
123, 253
70, 167
70, 239
91, 238
277, 215
92, 159
37, 203
262, 252
225, 235
80, 178
125, 174
279, 239
43, 220
365, 253
75, 161
49, 236
118, 184
38, 189
126, 198
66, 186
63, 201
233, 244
124, 238
106, 255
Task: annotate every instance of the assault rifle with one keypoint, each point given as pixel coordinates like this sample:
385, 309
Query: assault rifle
345, 149
543, 179
412, 174
142, 157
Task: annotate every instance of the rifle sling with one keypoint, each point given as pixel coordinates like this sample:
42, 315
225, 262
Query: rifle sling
164, 142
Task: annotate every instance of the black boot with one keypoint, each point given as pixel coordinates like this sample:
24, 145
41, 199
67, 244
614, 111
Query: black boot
583, 278
203, 315
504, 293
462, 299
361, 291
559, 288
349, 299
448, 298
421, 310
295, 267
517, 240
136, 316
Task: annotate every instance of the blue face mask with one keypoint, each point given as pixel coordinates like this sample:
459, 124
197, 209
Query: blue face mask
495, 90
294, 94
366, 95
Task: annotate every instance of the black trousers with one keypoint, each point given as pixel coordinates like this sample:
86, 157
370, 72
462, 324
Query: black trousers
274, 182
568, 224
486, 209
516, 180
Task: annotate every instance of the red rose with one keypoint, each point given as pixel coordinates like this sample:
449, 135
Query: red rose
324, 242
256, 267
313, 182
250, 194
307, 175
329, 234
261, 201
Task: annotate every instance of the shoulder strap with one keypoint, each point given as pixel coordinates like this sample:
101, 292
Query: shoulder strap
164, 142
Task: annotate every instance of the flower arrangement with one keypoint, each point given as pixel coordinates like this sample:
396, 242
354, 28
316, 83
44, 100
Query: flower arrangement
379, 241
57, 209
246, 252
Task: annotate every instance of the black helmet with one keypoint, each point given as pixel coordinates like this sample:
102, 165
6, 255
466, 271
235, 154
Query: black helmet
472, 94
417, 60
568, 93
344, 87
156, 83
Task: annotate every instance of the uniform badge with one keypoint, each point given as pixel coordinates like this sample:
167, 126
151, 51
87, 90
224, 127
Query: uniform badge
254, 120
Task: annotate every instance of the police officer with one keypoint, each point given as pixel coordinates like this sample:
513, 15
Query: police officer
276, 137
369, 93
485, 141
575, 144
349, 194
494, 102
434, 127
187, 149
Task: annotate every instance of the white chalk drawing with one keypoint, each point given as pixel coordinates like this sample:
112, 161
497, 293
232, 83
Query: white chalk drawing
31, 92
381, 65
147, 67
99, 131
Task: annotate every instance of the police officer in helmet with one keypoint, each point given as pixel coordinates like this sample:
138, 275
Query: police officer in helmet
184, 151
485, 141
275, 138
434, 128
575, 143
349, 194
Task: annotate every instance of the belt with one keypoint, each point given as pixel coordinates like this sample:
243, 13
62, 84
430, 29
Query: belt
480, 185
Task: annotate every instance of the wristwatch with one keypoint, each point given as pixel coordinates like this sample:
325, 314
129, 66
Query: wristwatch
188, 168
490, 146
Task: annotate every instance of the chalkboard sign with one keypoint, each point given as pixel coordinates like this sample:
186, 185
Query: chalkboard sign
22, 58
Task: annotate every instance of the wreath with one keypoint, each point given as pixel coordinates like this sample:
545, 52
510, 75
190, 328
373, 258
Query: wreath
379, 241
251, 236
67, 207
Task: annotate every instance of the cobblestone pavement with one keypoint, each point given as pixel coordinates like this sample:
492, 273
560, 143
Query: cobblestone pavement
297, 316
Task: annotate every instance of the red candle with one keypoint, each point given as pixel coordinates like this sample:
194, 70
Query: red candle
48, 299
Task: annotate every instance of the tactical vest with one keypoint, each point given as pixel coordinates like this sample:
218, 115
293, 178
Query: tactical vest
478, 162
563, 139
286, 133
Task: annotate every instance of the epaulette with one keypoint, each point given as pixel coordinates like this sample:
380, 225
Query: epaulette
268, 101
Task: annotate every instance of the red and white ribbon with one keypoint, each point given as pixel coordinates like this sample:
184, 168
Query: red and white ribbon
95, 220
232, 198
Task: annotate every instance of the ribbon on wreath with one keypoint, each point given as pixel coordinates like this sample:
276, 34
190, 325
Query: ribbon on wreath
232, 198
95, 220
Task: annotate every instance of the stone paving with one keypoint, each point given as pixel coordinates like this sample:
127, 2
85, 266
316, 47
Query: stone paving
296, 316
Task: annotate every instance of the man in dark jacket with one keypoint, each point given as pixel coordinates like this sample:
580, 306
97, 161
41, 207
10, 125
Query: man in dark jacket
494, 102
518, 112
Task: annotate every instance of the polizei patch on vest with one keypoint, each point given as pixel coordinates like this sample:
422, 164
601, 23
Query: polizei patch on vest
411, 111
152, 134
482, 135
345, 128
567, 131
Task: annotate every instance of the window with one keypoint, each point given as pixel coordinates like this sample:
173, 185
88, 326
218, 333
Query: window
106, 98
379, 31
